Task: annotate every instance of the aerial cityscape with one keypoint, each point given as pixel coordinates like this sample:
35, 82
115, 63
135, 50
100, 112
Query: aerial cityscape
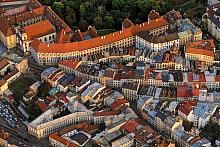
109, 73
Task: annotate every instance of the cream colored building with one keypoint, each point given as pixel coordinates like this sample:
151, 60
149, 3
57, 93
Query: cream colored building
3, 86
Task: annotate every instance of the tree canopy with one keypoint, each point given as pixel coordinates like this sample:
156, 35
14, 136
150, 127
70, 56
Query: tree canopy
106, 13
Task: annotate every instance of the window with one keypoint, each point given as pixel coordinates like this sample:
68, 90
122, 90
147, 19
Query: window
45, 39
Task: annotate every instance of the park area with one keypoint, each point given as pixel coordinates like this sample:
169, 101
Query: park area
20, 86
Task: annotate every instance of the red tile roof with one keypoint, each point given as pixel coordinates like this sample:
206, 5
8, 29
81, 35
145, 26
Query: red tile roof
127, 23
5, 28
25, 16
187, 106
62, 140
3, 63
43, 106
217, 78
73, 64
154, 15
130, 126
183, 92
190, 76
64, 100
2, 82
62, 37
39, 29
195, 91
104, 113
119, 102
99, 41
202, 77
203, 47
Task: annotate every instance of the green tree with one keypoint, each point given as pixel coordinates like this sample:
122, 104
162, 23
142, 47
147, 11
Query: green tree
48, 2
187, 125
97, 22
82, 11
115, 13
44, 89
58, 8
101, 11
83, 25
108, 22
118, 4
211, 130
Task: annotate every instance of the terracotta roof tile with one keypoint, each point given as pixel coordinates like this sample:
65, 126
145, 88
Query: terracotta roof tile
62, 37
130, 126
98, 41
154, 15
5, 28
2, 82
39, 29
104, 113
119, 102
70, 63
3, 63
203, 47
187, 106
127, 23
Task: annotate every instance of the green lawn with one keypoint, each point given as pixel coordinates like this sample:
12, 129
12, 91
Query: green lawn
188, 5
105, 31
19, 86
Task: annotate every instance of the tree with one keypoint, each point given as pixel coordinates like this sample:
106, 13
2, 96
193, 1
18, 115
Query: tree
82, 11
48, 2
101, 11
211, 131
44, 89
115, 13
108, 22
83, 25
58, 8
187, 125
118, 23
118, 4
97, 22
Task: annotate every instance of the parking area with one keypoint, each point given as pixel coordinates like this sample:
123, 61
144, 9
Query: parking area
8, 115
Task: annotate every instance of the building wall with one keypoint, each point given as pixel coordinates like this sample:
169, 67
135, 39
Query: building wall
53, 58
3, 88
214, 30
200, 57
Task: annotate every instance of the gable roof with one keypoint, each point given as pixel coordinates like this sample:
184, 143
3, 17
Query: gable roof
99, 41
39, 29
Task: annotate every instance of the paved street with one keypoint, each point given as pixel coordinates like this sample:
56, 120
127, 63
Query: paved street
2, 48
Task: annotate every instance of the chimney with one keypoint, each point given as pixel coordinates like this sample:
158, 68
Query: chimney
48, 45
113, 34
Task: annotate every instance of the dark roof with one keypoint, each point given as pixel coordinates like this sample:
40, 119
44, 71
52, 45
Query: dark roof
161, 116
81, 138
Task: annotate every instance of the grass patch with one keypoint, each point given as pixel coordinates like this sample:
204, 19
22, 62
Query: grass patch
188, 5
20, 86
105, 31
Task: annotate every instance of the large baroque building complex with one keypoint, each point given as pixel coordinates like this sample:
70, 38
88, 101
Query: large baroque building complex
56, 41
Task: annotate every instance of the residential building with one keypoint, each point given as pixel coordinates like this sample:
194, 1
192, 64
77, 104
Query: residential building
211, 18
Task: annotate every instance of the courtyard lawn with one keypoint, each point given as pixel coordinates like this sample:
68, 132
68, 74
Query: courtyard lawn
19, 86
187, 5
105, 31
